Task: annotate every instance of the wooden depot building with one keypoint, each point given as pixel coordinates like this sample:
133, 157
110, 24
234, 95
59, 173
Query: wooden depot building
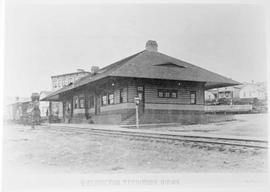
170, 90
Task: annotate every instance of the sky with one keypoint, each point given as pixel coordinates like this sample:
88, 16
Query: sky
47, 39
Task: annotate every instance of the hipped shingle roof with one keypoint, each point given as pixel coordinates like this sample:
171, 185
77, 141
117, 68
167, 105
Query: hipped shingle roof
153, 65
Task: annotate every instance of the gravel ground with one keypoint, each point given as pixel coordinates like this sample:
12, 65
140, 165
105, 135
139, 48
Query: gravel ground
49, 151
245, 125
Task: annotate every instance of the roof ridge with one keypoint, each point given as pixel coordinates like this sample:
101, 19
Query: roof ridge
119, 62
139, 65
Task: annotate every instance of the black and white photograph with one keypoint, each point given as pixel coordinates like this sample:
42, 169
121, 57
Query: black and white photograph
134, 96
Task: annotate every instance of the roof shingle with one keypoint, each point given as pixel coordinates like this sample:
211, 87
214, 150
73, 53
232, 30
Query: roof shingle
153, 65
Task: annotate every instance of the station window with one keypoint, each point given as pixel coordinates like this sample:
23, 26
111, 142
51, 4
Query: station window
165, 93
76, 102
104, 100
192, 97
110, 99
107, 99
160, 94
81, 102
174, 94
60, 83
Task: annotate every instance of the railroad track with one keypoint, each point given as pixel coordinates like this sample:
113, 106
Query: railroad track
169, 138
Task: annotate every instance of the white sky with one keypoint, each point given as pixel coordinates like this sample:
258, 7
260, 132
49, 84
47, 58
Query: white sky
49, 39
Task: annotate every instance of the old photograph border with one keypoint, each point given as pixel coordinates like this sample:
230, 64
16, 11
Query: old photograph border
137, 181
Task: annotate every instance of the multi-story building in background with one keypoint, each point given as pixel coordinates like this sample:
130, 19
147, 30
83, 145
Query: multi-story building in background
59, 81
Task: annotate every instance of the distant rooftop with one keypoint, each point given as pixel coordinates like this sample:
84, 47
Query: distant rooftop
73, 73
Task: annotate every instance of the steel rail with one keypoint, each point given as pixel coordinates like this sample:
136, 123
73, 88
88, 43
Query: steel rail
250, 143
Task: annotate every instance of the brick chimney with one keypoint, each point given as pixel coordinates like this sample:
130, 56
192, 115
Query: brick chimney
151, 45
94, 69
35, 96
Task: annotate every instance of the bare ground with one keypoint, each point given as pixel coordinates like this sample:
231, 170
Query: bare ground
49, 151
243, 125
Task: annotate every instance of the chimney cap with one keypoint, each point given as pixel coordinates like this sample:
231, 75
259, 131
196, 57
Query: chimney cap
151, 45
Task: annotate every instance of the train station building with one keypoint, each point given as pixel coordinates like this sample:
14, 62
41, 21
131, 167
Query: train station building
170, 90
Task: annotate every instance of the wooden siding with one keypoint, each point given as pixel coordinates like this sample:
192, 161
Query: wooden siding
117, 106
91, 110
154, 107
78, 111
183, 94
175, 107
117, 95
132, 92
